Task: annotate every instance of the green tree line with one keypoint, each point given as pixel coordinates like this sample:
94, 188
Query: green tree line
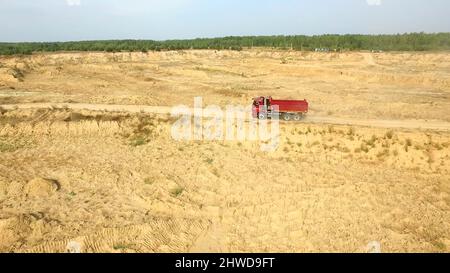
398, 42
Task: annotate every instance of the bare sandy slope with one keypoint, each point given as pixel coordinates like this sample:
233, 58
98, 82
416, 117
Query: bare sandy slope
88, 162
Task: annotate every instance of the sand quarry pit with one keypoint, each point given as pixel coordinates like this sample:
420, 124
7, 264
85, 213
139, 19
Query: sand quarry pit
88, 163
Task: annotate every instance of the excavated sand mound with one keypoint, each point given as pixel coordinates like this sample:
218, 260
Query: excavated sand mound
40, 187
7, 76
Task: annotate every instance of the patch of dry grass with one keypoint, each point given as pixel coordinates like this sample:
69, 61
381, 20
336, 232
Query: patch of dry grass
13, 144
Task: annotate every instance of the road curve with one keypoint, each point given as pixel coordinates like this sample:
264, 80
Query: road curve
405, 124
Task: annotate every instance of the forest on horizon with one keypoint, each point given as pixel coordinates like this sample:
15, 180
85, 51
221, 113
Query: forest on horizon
397, 42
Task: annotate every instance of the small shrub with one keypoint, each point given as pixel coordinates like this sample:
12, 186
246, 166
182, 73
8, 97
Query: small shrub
371, 142
215, 171
351, 131
209, 160
440, 245
364, 148
120, 246
330, 129
148, 181
138, 141
408, 142
389, 134
383, 153
177, 191
438, 146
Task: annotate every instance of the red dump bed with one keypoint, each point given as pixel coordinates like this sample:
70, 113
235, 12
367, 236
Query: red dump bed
291, 106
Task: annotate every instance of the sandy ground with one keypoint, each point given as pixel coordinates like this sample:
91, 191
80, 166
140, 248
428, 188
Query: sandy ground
88, 162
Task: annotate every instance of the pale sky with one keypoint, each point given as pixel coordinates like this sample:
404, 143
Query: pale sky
69, 20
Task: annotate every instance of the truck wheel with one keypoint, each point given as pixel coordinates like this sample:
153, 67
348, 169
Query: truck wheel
297, 117
262, 116
286, 117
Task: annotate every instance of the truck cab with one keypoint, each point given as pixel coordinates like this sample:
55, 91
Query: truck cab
261, 107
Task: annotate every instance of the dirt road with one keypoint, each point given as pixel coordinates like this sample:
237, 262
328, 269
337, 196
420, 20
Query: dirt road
405, 124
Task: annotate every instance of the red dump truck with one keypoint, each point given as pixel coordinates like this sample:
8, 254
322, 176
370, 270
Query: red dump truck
267, 107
